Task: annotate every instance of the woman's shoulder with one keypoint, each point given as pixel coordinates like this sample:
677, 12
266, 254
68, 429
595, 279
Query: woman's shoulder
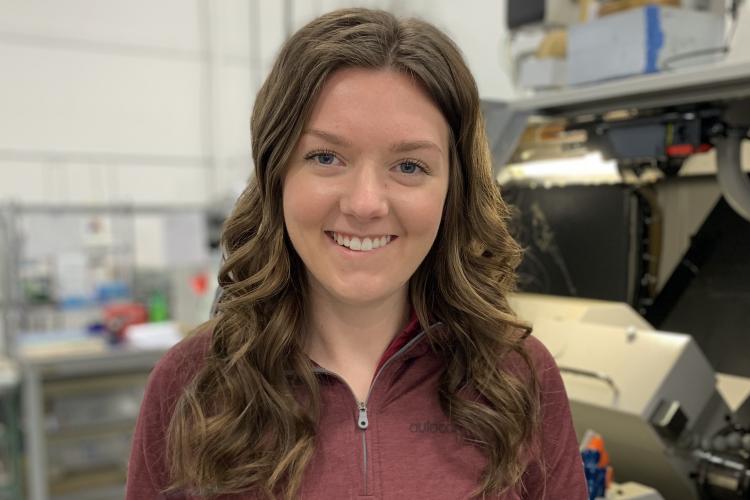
540, 356
181, 363
191, 348
537, 357
147, 470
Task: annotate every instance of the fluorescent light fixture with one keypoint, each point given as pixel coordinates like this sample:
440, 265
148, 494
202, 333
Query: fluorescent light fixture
586, 169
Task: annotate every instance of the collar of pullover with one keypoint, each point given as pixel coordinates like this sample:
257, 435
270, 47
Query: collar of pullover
410, 331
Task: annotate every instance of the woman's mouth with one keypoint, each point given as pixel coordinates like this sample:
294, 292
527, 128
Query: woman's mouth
360, 243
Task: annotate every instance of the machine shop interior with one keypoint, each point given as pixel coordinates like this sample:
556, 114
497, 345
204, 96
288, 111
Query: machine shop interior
619, 137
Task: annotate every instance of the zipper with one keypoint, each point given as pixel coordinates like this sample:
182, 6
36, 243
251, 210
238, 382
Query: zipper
362, 416
363, 425
362, 421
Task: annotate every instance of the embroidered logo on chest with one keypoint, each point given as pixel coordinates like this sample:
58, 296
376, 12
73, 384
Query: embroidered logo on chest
433, 427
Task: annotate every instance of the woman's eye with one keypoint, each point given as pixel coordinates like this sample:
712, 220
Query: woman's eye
409, 168
325, 158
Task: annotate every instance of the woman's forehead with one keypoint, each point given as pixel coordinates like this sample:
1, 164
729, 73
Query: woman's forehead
377, 104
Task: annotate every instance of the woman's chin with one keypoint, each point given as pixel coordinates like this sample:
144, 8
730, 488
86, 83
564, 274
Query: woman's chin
363, 295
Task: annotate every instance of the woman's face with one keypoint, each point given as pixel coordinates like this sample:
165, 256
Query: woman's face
364, 189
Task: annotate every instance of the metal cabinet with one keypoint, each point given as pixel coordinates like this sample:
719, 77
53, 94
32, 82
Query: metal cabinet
79, 414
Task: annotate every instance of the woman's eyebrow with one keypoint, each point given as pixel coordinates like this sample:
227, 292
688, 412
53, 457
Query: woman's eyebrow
399, 147
327, 136
406, 146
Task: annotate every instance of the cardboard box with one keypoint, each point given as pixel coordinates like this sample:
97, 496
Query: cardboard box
614, 6
641, 41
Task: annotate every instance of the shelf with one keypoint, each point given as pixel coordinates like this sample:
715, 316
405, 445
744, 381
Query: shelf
109, 361
722, 81
98, 430
106, 383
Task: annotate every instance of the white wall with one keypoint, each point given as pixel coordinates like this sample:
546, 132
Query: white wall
478, 27
141, 101
149, 102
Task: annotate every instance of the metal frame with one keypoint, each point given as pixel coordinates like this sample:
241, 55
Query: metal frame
720, 82
37, 372
697, 84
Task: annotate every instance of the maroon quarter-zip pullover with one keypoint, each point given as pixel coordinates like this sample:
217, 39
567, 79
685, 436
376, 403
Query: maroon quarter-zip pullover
396, 445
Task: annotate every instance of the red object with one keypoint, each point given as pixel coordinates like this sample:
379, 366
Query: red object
117, 317
680, 150
199, 283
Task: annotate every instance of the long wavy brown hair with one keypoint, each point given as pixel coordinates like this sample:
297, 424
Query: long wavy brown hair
241, 425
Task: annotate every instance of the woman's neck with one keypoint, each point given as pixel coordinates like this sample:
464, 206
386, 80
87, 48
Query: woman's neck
342, 335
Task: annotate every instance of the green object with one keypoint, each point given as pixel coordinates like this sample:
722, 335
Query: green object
157, 308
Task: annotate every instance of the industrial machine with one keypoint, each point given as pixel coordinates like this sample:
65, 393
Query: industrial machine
652, 395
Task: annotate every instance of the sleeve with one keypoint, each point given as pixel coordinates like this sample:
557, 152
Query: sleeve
557, 471
148, 473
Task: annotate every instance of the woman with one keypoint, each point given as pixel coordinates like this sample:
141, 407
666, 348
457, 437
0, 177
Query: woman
363, 344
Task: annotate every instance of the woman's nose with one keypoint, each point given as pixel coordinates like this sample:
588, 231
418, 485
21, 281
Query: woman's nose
365, 195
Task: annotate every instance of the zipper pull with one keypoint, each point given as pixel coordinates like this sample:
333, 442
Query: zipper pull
362, 420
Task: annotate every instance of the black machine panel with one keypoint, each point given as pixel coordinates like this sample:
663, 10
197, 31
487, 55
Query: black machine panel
523, 12
580, 241
714, 304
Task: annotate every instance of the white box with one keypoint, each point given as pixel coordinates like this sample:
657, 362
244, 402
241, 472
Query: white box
641, 41
535, 73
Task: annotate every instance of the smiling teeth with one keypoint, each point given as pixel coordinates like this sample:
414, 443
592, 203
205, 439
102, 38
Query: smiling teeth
361, 245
